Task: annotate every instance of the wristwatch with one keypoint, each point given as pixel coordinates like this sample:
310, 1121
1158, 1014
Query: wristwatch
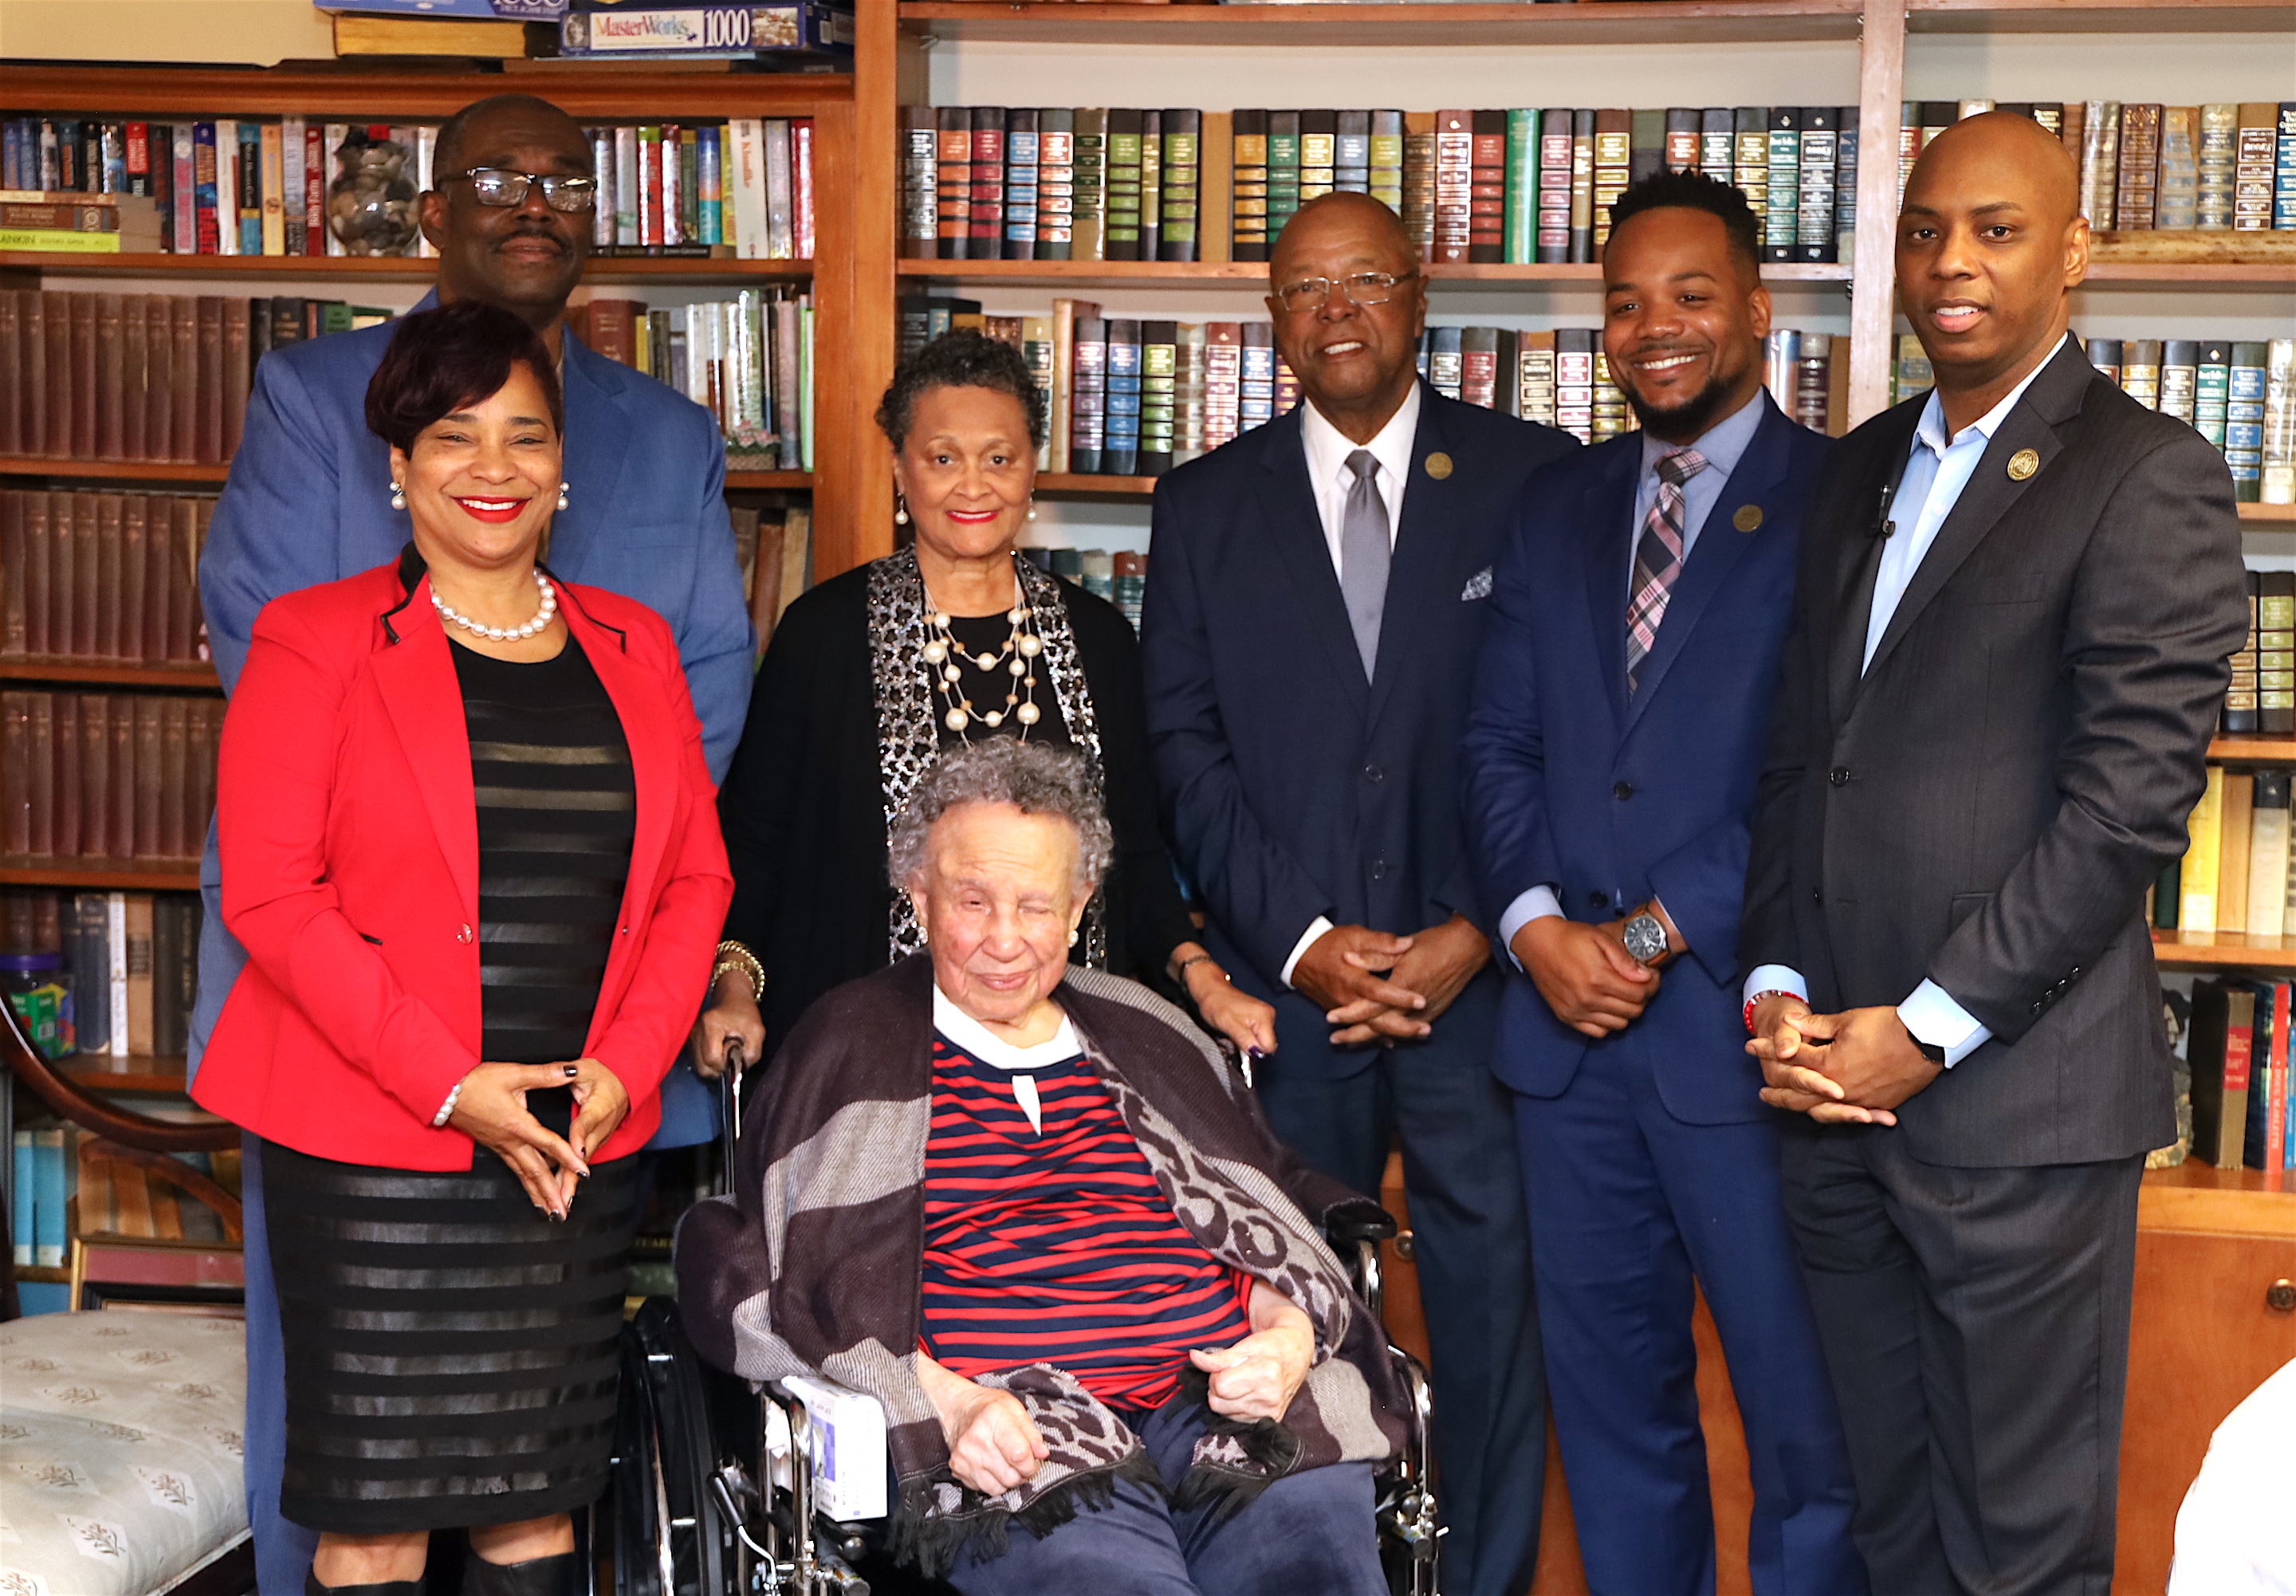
1928, 1050
1645, 939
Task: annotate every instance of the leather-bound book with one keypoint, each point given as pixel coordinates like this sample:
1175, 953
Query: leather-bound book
109, 358
202, 512
149, 766
208, 394
175, 813
15, 631
291, 321
41, 757
64, 808
63, 564
238, 371
210, 728
135, 378
83, 376
134, 566
158, 514
111, 562
96, 774
1454, 170
119, 780
612, 329
30, 373
183, 582
87, 576
139, 980
56, 411
1487, 187
2137, 173
39, 566
11, 365
16, 776
184, 377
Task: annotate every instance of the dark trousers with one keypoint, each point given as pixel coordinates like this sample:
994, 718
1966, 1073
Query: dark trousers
283, 1548
1629, 1206
1307, 1533
1471, 1249
1976, 1328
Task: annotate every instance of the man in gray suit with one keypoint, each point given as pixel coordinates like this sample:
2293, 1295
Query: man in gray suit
2018, 595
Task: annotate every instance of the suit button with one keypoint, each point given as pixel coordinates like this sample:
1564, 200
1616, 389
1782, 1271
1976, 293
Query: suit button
1374, 773
463, 934
1838, 776
1622, 790
1379, 870
1816, 899
1598, 900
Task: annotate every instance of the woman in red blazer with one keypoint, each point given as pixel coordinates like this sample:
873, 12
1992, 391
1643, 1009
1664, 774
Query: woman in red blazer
471, 849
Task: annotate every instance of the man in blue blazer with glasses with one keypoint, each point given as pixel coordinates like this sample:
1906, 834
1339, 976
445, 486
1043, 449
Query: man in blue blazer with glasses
1621, 712
309, 501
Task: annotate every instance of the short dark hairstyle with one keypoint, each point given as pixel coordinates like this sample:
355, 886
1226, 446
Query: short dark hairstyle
442, 359
446, 151
1695, 191
960, 357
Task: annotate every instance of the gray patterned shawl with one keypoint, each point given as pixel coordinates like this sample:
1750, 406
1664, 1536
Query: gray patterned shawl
813, 1265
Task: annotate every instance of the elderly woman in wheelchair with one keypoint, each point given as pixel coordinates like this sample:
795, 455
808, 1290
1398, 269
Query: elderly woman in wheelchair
1026, 1207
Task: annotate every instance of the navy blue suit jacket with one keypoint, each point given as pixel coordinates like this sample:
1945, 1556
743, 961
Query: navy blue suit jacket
1293, 786
1613, 800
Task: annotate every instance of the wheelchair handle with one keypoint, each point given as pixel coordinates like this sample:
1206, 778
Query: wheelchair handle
729, 1110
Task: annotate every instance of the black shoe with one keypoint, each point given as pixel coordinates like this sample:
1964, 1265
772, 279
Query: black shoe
559, 1575
396, 1587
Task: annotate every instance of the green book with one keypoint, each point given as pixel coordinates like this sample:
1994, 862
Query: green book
1090, 211
1519, 227
1283, 170
1387, 158
1248, 188
1183, 134
1122, 237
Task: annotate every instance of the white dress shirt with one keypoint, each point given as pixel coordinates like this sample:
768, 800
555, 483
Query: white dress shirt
979, 1041
1327, 450
1936, 469
1722, 446
2234, 1533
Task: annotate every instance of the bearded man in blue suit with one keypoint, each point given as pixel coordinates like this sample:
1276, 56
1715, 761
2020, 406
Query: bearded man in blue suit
309, 501
1621, 709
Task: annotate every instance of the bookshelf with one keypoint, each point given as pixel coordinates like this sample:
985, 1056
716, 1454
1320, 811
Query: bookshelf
602, 270
164, 471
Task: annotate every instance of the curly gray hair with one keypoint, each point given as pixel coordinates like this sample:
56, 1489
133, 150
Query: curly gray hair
1032, 777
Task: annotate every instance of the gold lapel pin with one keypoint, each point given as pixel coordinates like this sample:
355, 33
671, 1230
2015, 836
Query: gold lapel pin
1439, 465
2022, 464
1748, 517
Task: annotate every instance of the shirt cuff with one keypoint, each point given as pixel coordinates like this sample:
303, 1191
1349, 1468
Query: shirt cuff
1315, 928
1932, 1016
1535, 902
1776, 977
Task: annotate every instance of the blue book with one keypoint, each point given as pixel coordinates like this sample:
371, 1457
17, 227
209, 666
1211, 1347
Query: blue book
2283, 178
250, 189
1121, 450
48, 1232
1256, 382
12, 153
20, 1199
208, 225
709, 167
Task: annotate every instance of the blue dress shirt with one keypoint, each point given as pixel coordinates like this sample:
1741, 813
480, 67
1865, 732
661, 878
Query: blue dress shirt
1936, 469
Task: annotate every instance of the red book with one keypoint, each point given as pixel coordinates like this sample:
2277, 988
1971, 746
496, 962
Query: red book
150, 766
2276, 1091
953, 178
985, 228
315, 190
1454, 168
135, 156
174, 782
107, 355
110, 559
183, 582
41, 751
95, 783
1487, 188
39, 582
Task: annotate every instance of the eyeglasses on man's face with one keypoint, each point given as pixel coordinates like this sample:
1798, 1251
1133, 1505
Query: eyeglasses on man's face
494, 186
1363, 288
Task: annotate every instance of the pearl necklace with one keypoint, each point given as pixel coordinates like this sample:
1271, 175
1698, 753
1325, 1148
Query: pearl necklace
1022, 645
540, 623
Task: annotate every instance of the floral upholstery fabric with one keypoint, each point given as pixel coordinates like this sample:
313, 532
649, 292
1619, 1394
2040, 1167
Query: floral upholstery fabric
119, 1451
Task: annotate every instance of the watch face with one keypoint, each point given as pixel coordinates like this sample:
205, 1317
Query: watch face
1644, 937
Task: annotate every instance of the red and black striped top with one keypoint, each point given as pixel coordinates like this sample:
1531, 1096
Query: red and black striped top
1057, 1246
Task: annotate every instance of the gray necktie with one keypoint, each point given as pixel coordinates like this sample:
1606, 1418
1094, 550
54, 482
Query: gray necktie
1364, 556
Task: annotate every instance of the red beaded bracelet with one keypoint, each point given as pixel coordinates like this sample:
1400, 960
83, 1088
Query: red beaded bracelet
1758, 997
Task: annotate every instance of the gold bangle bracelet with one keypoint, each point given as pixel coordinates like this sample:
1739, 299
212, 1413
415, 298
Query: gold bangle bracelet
732, 955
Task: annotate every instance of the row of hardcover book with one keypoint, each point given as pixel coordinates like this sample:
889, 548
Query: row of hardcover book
2237, 1052
774, 549
129, 965
143, 377
102, 578
748, 360
106, 780
2235, 874
61, 1172
2261, 697
2169, 168
741, 188
1491, 186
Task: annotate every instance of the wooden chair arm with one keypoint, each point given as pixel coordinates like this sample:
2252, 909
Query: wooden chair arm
123, 1125
179, 1175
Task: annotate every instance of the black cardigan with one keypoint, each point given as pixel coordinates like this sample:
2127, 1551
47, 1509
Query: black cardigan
803, 806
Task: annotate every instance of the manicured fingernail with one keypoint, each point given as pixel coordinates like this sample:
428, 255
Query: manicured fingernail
573, 1069
1255, 1053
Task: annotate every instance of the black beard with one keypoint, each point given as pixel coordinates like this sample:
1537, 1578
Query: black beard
1685, 422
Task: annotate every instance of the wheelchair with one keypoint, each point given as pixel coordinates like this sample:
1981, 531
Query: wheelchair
714, 1494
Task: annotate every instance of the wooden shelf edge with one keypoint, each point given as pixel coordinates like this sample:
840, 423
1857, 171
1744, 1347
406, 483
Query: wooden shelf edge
383, 268
1290, 25
2198, 1197
2100, 16
1189, 273
96, 878
2268, 747
92, 674
2269, 513
115, 471
102, 1072
786, 479
2225, 950
1085, 485
615, 90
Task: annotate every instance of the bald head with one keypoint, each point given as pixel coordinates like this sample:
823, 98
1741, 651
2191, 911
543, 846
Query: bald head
1350, 330
1990, 244
1363, 225
528, 113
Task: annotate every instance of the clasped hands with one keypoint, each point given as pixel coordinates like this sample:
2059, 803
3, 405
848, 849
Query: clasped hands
993, 1445
1584, 973
1377, 987
491, 1110
1853, 1068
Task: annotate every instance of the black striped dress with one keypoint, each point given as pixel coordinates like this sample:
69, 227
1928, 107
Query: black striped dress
450, 1352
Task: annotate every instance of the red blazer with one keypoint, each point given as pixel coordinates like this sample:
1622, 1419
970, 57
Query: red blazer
347, 830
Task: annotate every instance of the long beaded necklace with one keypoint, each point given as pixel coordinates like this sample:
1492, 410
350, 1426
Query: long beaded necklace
1018, 653
540, 622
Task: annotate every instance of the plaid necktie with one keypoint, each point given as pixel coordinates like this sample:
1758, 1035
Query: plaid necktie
1657, 557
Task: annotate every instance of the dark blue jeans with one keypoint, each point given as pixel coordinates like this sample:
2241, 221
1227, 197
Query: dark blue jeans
1310, 1532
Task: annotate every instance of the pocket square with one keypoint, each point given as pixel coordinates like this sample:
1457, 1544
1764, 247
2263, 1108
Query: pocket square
1479, 586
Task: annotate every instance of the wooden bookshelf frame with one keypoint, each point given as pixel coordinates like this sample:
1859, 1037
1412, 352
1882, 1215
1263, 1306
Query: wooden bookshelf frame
602, 270
98, 673
174, 470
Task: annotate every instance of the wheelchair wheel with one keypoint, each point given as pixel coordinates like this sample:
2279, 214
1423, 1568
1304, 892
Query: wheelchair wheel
673, 1430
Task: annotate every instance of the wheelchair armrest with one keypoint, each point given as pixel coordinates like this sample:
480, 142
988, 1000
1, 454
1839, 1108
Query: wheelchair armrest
1360, 1219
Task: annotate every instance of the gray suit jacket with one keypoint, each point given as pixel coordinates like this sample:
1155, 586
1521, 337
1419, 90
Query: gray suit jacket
1985, 805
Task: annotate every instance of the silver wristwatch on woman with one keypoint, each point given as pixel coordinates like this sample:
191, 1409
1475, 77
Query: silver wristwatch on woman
1645, 939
